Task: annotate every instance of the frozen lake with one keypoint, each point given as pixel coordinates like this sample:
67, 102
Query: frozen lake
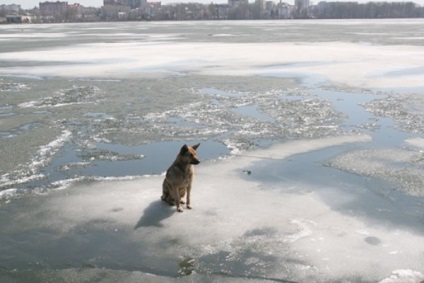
312, 142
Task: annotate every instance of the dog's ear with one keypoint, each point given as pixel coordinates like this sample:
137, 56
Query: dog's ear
196, 146
184, 149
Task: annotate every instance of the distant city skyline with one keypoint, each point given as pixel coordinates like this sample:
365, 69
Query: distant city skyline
29, 4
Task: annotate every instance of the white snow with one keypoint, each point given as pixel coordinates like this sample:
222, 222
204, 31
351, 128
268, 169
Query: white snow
416, 142
353, 64
9, 193
404, 276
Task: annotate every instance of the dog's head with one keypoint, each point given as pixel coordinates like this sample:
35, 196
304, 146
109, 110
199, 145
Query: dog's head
188, 153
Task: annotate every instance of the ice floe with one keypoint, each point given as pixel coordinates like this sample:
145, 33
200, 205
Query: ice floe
237, 228
401, 166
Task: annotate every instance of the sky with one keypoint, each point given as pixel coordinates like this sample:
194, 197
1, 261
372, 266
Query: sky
29, 4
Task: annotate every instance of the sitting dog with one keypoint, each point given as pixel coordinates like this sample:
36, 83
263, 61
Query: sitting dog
179, 177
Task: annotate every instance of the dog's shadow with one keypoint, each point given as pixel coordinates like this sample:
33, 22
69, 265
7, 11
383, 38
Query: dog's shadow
154, 214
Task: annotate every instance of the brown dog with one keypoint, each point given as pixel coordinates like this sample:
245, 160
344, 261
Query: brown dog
179, 177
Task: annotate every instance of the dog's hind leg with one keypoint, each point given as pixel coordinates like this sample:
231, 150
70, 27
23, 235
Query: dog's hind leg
166, 194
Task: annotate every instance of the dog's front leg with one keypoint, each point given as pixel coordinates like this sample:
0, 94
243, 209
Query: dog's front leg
178, 199
189, 196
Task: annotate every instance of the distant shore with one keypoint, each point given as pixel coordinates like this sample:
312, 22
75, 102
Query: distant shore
121, 11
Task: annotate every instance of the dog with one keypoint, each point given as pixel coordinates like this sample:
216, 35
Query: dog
179, 177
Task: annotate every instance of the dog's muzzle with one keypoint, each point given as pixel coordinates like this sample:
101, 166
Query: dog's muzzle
195, 162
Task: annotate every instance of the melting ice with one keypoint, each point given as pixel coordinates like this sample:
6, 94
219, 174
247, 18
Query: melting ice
311, 146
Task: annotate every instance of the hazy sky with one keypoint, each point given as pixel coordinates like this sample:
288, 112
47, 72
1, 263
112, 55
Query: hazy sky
28, 4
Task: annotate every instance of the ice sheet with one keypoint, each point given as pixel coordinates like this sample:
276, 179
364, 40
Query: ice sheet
417, 142
237, 227
237, 60
347, 63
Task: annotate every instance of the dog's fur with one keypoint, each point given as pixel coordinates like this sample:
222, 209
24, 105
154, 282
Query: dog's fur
179, 177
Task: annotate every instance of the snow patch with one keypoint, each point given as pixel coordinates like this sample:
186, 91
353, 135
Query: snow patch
416, 142
404, 276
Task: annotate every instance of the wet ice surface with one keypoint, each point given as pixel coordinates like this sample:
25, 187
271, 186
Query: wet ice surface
308, 174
